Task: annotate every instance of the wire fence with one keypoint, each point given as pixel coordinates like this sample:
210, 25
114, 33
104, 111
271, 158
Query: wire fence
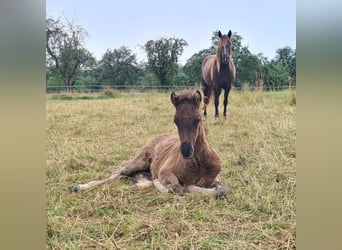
141, 88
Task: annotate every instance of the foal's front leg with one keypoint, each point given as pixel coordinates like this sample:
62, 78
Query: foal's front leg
168, 183
218, 190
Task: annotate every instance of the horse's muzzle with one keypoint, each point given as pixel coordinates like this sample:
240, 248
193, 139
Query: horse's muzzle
225, 60
187, 150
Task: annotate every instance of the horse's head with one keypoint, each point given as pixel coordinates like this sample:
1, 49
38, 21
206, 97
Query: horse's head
224, 49
188, 119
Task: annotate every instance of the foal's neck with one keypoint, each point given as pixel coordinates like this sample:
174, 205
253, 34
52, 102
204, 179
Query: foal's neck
201, 143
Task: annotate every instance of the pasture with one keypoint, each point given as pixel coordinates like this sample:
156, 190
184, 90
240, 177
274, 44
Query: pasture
88, 137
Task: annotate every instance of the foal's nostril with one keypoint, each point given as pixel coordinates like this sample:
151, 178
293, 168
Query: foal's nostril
187, 149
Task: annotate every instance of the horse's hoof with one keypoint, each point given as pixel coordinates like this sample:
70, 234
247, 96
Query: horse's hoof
221, 192
74, 189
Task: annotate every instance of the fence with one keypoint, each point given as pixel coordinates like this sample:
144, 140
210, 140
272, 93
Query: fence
141, 88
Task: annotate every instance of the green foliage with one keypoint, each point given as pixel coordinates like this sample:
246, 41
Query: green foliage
181, 79
286, 57
110, 93
248, 67
162, 56
276, 75
150, 79
120, 67
66, 54
70, 66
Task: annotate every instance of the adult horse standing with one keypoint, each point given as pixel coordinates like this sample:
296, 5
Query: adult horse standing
218, 72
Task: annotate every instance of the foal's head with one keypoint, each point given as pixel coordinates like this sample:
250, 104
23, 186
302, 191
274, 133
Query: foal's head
188, 119
224, 48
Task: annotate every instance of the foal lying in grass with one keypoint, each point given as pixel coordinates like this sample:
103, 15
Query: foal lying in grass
176, 163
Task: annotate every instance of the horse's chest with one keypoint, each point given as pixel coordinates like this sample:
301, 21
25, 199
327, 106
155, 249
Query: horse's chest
198, 175
223, 78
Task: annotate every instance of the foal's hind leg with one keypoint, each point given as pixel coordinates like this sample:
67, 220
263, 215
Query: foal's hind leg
140, 163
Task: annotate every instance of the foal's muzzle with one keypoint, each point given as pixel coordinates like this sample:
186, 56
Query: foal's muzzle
187, 149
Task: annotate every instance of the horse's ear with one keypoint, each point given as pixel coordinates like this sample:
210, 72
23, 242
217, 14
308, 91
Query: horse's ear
174, 98
229, 33
219, 34
198, 97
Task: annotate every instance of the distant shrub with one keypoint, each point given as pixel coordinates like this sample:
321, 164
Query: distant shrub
61, 97
109, 93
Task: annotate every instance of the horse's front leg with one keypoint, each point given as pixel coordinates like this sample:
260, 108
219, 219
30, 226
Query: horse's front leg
168, 183
225, 102
216, 101
218, 190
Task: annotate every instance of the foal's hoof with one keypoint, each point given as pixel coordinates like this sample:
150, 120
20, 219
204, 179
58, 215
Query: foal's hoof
176, 189
221, 192
74, 189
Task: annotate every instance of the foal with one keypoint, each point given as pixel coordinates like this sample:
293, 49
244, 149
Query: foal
176, 163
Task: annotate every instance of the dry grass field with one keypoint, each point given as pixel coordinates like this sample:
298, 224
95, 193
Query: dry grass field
88, 137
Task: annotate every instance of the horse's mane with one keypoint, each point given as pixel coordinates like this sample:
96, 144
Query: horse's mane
218, 56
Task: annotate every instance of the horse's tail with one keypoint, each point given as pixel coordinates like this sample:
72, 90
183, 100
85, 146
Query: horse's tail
91, 184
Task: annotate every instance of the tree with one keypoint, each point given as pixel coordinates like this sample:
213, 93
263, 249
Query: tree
276, 75
180, 78
162, 57
66, 54
286, 57
249, 68
120, 67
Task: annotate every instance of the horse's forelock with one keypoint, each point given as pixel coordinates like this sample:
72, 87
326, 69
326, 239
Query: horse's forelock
188, 96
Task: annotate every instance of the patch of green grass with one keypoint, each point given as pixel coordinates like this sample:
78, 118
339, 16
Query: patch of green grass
87, 140
106, 94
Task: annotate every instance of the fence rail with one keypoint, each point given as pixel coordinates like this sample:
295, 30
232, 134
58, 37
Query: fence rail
140, 88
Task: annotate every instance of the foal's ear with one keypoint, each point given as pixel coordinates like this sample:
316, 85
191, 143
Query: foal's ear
219, 34
198, 97
174, 98
229, 33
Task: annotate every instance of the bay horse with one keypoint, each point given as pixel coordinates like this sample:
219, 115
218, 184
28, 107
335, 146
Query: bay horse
218, 72
175, 163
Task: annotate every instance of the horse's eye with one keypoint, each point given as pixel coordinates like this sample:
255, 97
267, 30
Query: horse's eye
175, 120
198, 119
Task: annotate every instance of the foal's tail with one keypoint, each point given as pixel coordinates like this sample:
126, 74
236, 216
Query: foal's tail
91, 184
